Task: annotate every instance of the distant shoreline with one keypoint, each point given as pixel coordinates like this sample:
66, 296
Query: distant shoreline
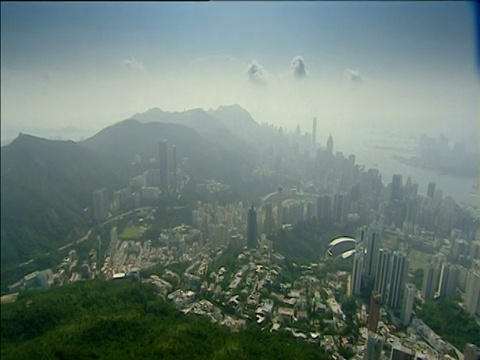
463, 173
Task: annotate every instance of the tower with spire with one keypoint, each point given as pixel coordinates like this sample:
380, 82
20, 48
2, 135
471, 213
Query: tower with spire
330, 144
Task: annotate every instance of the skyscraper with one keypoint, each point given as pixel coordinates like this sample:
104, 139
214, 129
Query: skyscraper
407, 304
330, 145
268, 222
382, 274
431, 190
163, 166
279, 207
396, 189
340, 207
371, 255
252, 228
374, 312
101, 204
324, 207
174, 168
447, 284
472, 293
397, 278
431, 276
374, 347
314, 133
357, 270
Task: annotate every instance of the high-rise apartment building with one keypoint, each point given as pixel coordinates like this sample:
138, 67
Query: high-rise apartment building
407, 304
101, 204
398, 274
371, 255
431, 190
268, 221
447, 285
174, 150
396, 188
383, 273
374, 312
431, 276
324, 207
472, 293
340, 207
252, 227
357, 270
163, 167
279, 221
374, 347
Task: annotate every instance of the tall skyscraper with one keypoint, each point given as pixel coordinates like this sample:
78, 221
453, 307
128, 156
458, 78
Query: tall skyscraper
324, 207
374, 312
101, 204
371, 255
174, 148
383, 273
163, 166
431, 190
407, 304
330, 145
472, 293
374, 347
340, 207
268, 222
357, 271
398, 274
314, 133
447, 284
279, 221
252, 228
431, 276
396, 189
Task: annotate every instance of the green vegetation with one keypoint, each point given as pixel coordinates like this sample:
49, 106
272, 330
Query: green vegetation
45, 187
131, 233
417, 259
451, 322
307, 241
111, 320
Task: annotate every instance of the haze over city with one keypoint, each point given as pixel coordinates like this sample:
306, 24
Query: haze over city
240, 180
393, 66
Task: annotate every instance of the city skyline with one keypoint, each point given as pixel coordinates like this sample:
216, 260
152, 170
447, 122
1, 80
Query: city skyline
81, 67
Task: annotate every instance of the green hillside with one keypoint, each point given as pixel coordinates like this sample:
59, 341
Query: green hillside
118, 144
45, 185
108, 320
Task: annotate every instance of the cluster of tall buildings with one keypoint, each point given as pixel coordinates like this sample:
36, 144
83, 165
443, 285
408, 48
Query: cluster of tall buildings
441, 278
386, 271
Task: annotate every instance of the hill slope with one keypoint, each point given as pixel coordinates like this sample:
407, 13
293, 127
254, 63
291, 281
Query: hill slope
45, 186
110, 320
119, 143
208, 126
238, 121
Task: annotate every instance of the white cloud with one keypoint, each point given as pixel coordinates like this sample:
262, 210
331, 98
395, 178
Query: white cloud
353, 75
134, 64
256, 73
298, 67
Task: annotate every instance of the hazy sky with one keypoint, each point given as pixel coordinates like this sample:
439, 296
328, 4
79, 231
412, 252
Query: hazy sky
392, 64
